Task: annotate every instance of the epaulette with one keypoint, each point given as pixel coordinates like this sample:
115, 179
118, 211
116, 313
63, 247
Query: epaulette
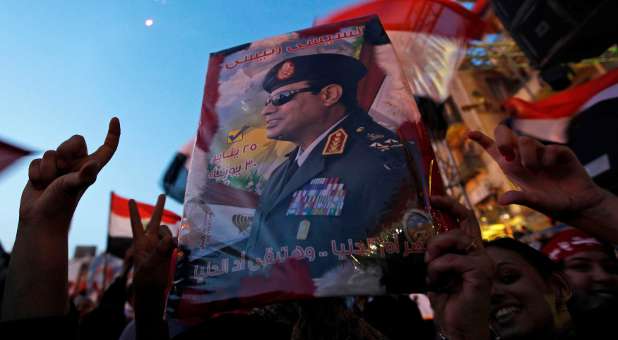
335, 143
388, 147
378, 141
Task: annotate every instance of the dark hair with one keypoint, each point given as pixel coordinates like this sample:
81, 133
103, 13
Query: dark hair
535, 258
348, 97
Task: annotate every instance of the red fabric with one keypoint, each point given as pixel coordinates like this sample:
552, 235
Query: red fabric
120, 206
323, 28
480, 6
209, 122
439, 17
570, 242
290, 280
217, 193
562, 104
9, 154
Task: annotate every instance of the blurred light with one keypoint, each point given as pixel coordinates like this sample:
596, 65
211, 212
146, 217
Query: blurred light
149, 22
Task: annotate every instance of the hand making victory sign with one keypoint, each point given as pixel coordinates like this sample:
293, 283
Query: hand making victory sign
152, 254
152, 247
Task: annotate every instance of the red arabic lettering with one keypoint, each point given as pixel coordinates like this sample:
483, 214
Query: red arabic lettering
325, 39
258, 56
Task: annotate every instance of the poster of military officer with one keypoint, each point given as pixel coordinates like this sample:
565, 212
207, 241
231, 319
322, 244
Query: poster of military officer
303, 181
334, 185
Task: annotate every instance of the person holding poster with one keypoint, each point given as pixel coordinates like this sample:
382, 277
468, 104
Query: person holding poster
341, 179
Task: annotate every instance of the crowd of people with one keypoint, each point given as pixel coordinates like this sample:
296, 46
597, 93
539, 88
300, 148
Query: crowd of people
502, 289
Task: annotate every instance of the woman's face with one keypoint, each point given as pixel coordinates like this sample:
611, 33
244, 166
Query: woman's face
521, 301
594, 278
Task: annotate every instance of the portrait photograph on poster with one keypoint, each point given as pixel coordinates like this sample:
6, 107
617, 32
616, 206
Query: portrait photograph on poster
308, 177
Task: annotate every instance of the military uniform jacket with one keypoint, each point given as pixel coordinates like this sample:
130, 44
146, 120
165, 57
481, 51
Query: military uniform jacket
331, 197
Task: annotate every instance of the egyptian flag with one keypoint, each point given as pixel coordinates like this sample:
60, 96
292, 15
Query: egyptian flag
175, 177
9, 154
582, 117
120, 236
429, 36
548, 119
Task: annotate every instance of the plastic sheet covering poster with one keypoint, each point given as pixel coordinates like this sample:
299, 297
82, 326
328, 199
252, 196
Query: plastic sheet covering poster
308, 177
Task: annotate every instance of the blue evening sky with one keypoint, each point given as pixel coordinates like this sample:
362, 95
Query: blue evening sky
67, 67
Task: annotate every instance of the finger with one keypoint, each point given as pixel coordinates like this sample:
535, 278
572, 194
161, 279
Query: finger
530, 153
473, 229
105, 152
444, 270
452, 241
164, 231
449, 262
128, 255
519, 197
166, 244
482, 139
438, 304
34, 171
485, 142
505, 142
136, 223
448, 271
80, 180
48, 168
557, 155
72, 149
451, 206
66, 191
155, 219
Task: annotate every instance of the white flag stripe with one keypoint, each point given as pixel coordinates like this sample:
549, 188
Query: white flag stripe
553, 130
120, 226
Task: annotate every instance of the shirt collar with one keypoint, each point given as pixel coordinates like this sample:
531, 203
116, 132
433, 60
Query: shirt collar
302, 155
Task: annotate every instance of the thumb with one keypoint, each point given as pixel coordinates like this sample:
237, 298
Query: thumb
62, 195
80, 180
518, 197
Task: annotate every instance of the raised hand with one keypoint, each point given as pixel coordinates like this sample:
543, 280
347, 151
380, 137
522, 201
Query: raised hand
58, 180
459, 274
551, 180
152, 254
152, 248
37, 281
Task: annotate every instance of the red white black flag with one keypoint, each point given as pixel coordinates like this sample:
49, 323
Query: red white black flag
9, 154
548, 119
119, 231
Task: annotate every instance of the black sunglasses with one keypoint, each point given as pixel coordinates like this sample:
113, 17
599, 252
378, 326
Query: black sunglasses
285, 96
